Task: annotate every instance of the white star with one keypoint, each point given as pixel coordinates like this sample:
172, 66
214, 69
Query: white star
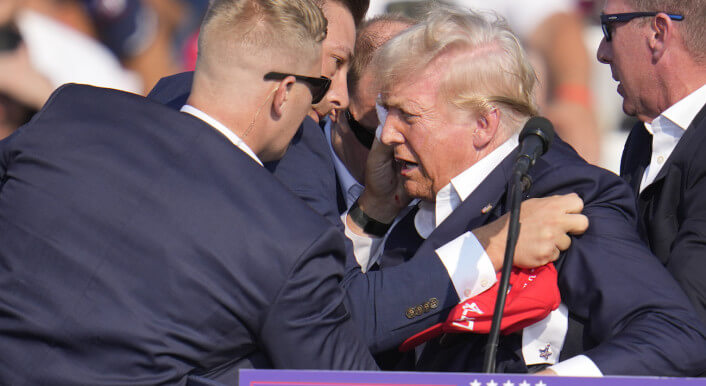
491, 383
540, 383
475, 383
524, 383
508, 383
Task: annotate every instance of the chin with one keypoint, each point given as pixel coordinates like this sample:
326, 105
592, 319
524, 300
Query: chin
628, 108
414, 190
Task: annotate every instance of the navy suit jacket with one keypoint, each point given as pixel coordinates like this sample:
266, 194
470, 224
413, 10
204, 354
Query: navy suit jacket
634, 317
306, 168
140, 246
672, 210
378, 301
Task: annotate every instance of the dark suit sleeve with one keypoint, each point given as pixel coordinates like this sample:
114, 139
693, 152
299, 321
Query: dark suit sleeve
687, 255
637, 321
308, 325
307, 170
380, 300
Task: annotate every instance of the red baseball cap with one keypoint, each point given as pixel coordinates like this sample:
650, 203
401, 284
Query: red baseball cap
533, 294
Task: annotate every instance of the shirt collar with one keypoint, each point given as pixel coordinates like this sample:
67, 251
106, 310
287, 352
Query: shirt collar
450, 197
681, 113
349, 185
684, 111
232, 137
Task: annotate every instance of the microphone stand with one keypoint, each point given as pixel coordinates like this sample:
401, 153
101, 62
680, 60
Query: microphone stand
519, 184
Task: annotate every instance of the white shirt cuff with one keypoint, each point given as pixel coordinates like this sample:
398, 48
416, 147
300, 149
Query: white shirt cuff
365, 248
578, 366
469, 267
542, 342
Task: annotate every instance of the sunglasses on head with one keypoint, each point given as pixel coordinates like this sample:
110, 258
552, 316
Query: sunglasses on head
608, 19
317, 86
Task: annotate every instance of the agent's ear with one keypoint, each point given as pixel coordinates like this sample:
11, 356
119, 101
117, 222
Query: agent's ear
486, 128
662, 30
282, 94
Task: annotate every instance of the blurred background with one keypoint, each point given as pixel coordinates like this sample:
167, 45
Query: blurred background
131, 44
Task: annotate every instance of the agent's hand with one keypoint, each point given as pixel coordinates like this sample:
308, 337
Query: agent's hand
544, 232
384, 195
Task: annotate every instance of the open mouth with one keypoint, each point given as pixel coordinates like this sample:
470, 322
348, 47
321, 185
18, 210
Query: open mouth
406, 167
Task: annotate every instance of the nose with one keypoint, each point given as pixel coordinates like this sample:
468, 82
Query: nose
337, 94
390, 135
605, 52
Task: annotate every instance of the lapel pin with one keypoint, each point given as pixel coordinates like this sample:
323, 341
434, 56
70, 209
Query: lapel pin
486, 208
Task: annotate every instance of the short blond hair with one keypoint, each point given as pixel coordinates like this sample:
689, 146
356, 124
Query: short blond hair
488, 67
286, 29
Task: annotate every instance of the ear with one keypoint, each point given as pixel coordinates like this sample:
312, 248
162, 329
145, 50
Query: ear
282, 95
486, 128
662, 30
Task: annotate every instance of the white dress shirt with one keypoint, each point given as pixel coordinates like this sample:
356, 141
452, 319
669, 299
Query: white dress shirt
464, 258
232, 137
668, 128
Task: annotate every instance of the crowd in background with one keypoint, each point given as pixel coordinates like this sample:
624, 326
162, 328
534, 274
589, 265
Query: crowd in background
131, 44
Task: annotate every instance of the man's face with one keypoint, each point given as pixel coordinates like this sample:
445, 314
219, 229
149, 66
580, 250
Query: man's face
296, 107
432, 139
337, 50
629, 58
363, 105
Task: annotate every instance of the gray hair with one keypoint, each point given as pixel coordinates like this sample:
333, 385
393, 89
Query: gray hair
694, 12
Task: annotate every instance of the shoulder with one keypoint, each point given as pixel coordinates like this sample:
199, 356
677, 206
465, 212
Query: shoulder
173, 90
561, 170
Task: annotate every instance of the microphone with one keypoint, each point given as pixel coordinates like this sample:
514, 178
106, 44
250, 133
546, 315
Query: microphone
535, 138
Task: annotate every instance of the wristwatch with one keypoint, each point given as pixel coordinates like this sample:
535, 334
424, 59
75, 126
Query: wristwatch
369, 224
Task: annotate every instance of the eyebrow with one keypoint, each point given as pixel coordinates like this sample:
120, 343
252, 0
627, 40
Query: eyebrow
347, 52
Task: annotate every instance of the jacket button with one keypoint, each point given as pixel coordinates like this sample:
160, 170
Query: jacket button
410, 313
433, 303
418, 310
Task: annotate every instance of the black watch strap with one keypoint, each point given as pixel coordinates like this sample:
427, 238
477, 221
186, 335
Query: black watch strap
369, 224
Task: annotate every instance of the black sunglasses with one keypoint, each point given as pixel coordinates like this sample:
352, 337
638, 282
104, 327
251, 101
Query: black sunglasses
318, 86
608, 19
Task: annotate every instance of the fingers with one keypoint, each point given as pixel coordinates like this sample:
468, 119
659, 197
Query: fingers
575, 224
563, 241
571, 203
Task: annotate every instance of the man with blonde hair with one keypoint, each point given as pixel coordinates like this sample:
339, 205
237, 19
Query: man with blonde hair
143, 245
657, 52
457, 88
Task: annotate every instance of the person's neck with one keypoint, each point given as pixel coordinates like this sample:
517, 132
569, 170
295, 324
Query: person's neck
680, 78
237, 123
350, 151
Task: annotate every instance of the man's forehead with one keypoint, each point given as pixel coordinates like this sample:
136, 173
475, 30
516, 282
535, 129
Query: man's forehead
615, 6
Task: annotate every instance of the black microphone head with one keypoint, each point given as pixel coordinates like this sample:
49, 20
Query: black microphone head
542, 128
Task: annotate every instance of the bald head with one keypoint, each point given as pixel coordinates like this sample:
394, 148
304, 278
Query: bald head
371, 35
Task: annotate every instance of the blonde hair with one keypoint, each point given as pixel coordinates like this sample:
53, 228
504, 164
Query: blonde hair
284, 29
487, 68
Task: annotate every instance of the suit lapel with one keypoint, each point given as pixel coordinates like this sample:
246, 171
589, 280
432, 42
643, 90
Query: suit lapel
636, 157
649, 197
480, 207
